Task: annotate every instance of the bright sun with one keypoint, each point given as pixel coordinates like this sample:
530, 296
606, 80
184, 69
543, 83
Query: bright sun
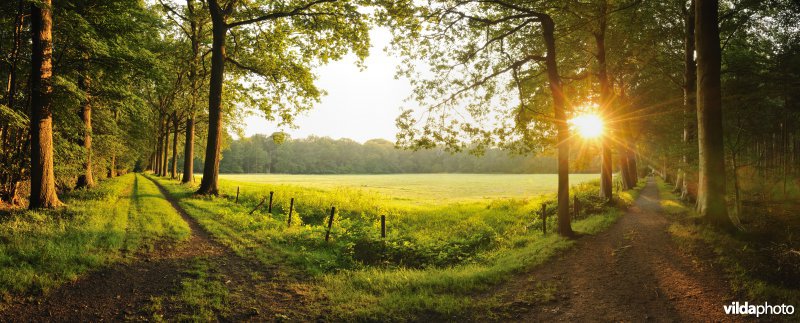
589, 126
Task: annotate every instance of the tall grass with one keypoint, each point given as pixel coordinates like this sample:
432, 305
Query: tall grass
42, 249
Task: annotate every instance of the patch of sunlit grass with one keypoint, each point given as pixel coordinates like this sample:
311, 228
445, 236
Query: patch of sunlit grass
42, 249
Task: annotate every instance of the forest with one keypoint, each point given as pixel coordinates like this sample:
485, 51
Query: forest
322, 155
117, 118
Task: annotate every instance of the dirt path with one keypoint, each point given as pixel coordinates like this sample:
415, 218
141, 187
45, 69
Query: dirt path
125, 291
632, 272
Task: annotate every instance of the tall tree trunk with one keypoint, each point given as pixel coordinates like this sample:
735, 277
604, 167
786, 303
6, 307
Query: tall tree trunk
165, 150
159, 146
43, 187
606, 169
112, 167
711, 191
632, 164
211, 169
689, 102
188, 151
174, 168
554, 79
152, 162
86, 179
627, 173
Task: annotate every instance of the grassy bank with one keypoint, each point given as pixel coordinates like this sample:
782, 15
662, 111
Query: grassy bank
746, 257
433, 261
42, 249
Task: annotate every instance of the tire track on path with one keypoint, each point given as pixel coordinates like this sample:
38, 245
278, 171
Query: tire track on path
124, 290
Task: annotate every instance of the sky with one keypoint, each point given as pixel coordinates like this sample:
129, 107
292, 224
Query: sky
360, 105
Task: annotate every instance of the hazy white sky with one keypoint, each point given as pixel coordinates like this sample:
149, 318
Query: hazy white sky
360, 105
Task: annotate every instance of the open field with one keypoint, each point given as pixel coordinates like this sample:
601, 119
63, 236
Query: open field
426, 188
436, 256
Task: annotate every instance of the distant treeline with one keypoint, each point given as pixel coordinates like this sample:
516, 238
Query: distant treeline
323, 155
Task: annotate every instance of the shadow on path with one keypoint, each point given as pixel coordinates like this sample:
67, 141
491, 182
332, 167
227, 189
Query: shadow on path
123, 291
633, 271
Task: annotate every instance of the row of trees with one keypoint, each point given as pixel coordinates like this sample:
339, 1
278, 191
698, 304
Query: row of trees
323, 155
511, 73
120, 85
116, 85
72, 106
754, 140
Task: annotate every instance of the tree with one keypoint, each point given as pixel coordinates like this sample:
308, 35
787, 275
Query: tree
196, 26
606, 100
86, 180
478, 50
689, 89
192, 23
43, 187
319, 29
711, 190
14, 123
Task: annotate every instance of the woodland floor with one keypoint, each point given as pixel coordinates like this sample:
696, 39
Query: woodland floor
632, 272
127, 290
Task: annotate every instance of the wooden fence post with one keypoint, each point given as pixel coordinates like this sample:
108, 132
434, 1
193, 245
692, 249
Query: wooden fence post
270, 202
383, 226
291, 207
237, 195
330, 224
544, 218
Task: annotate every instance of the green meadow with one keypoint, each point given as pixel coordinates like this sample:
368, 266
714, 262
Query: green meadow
436, 256
424, 188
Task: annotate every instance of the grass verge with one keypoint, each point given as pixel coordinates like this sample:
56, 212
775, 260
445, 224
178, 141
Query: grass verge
44, 248
739, 254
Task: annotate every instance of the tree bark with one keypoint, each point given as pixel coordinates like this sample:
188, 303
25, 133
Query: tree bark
174, 168
554, 80
689, 102
112, 167
627, 172
86, 180
165, 150
606, 169
711, 192
211, 169
43, 188
159, 146
188, 151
